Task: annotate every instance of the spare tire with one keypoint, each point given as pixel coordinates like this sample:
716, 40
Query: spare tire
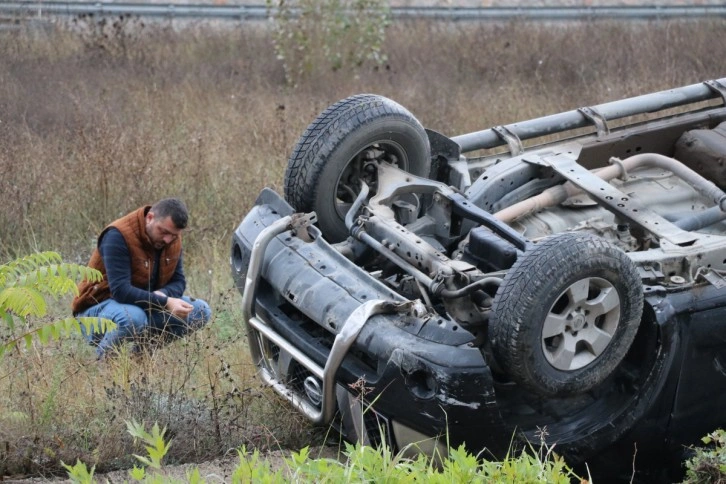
341, 147
566, 313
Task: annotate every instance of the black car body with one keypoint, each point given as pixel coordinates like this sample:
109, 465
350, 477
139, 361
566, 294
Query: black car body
432, 290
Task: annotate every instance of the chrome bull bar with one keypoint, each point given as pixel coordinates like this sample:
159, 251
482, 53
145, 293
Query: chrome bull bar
259, 333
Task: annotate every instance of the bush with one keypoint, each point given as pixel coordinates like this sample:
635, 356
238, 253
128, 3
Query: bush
708, 464
25, 282
315, 35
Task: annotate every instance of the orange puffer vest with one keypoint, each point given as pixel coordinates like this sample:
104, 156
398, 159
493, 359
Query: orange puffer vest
142, 253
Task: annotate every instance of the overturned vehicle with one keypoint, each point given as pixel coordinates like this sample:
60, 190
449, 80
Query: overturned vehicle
561, 278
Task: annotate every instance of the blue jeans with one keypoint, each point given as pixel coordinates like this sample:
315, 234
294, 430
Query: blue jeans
133, 323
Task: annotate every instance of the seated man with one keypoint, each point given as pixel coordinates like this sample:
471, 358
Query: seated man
140, 257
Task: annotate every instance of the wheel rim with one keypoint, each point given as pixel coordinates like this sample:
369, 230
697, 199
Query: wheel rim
363, 167
580, 324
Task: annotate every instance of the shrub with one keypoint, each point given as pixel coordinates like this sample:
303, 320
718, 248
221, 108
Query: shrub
328, 34
708, 464
24, 283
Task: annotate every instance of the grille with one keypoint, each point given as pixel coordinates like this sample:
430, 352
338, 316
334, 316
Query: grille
296, 379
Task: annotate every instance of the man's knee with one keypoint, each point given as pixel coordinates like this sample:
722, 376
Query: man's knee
130, 321
131, 318
126, 317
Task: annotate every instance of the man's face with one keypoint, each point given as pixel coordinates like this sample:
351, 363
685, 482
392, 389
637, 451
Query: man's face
161, 231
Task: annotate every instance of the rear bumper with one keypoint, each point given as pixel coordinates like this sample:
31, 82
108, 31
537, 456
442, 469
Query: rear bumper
330, 338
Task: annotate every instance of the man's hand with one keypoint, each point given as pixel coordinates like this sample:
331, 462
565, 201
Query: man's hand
178, 307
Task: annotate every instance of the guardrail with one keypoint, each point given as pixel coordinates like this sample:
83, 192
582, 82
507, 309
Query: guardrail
261, 12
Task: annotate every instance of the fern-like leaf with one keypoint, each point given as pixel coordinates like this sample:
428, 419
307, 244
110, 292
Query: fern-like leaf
28, 263
24, 284
91, 325
58, 329
23, 301
57, 279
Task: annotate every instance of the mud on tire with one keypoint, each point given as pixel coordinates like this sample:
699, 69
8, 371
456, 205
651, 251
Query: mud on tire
566, 314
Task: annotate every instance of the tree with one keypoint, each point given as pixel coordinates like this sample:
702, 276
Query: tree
319, 35
24, 285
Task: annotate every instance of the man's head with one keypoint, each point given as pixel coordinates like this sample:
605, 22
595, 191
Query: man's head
165, 221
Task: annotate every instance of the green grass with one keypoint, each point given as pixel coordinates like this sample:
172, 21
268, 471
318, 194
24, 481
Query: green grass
98, 121
354, 463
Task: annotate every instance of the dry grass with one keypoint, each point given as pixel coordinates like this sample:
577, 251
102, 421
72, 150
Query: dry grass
97, 121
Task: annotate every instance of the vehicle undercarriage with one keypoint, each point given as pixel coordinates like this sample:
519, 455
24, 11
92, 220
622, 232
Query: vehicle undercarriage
567, 289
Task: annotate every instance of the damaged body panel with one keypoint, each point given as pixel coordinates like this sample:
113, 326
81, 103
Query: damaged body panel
431, 290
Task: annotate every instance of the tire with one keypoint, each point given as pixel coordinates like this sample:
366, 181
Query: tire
337, 151
565, 314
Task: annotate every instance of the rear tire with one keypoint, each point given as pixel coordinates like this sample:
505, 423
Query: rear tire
566, 314
340, 148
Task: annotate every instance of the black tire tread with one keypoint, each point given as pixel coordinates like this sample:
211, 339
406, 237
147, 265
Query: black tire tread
310, 155
527, 282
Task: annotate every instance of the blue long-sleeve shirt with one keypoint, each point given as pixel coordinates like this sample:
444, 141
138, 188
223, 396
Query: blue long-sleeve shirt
117, 260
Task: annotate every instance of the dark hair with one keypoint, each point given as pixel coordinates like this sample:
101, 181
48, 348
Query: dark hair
174, 208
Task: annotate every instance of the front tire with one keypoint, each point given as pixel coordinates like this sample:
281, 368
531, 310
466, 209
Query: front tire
341, 148
566, 314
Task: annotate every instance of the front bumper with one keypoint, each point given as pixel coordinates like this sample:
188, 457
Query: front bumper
330, 338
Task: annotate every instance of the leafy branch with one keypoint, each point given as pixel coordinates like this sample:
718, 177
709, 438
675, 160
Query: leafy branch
24, 285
